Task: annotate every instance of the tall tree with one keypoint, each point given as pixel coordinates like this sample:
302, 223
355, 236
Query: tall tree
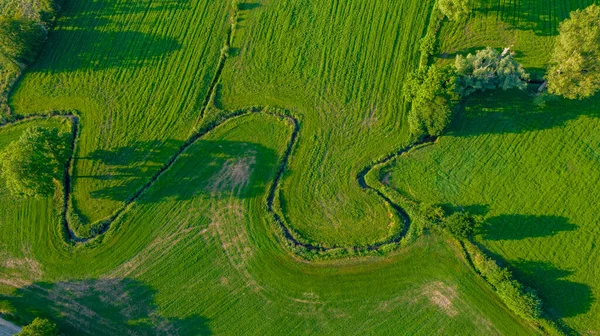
431, 92
33, 163
488, 69
575, 72
20, 39
455, 9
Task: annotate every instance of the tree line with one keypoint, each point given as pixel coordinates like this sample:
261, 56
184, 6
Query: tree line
434, 90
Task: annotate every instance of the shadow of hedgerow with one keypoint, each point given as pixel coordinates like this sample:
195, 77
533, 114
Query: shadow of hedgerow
101, 307
516, 227
515, 111
530, 15
209, 168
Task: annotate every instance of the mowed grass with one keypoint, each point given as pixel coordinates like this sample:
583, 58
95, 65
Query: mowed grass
530, 165
197, 255
339, 67
138, 73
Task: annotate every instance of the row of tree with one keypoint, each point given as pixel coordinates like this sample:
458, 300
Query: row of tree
524, 301
433, 91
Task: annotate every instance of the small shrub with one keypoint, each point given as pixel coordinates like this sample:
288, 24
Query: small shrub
461, 224
39, 327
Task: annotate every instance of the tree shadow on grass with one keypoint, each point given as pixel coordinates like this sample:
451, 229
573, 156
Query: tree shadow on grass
101, 307
208, 169
539, 16
562, 298
87, 30
248, 5
516, 227
515, 111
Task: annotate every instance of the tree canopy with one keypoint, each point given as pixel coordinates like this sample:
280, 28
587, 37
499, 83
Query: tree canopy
39, 327
488, 69
575, 73
431, 91
20, 39
32, 164
461, 224
455, 9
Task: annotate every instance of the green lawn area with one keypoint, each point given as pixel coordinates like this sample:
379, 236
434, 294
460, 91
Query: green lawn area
138, 75
528, 164
196, 255
197, 252
338, 66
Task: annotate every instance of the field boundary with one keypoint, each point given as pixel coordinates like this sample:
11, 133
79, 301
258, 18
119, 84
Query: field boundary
293, 239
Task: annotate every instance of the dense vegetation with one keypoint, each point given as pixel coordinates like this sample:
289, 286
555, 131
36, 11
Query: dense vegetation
511, 156
575, 73
23, 28
34, 165
39, 327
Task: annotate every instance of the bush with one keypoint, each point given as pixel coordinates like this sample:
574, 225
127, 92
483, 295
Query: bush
461, 224
454, 9
428, 45
431, 91
33, 163
20, 39
520, 299
39, 327
432, 213
523, 301
488, 69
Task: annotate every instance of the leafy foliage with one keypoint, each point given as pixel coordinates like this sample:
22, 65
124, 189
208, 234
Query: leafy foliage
575, 73
488, 69
39, 327
461, 224
31, 164
455, 9
522, 300
431, 91
431, 213
20, 39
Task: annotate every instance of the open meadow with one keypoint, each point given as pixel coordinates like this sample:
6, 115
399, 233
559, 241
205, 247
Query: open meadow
527, 163
216, 176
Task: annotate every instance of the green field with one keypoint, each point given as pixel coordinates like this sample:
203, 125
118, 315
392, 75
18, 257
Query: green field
183, 149
529, 165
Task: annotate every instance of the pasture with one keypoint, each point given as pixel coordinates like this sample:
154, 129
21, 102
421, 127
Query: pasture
177, 147
528, 163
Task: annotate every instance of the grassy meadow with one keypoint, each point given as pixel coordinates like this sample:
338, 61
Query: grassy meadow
339, 67
196, 255
138, 75
528, 163
197, 252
